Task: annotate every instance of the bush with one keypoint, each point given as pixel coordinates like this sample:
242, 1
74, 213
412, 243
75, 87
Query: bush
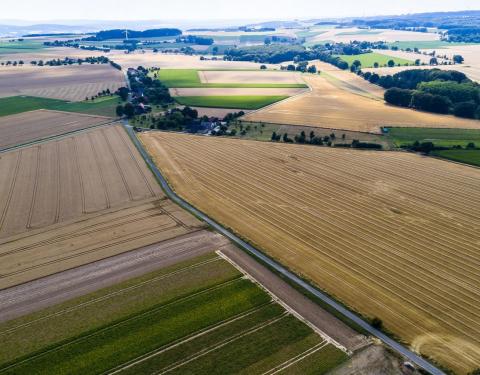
400, 97
465, 109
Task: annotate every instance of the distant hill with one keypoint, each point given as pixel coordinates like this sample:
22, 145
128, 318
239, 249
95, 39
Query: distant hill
120, 34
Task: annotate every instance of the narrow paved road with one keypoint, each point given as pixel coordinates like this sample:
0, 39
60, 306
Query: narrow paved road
411, 356
35, 295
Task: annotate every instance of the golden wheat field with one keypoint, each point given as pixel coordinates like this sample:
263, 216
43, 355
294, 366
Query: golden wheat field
393, 235
65, 179
331, 106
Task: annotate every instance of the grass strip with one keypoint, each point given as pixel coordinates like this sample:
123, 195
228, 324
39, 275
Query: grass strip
122, 341
249, 102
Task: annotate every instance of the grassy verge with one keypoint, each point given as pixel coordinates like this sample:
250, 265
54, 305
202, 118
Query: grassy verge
369, 59
189, 78
18, 104
440, 137
471, 157
239, 102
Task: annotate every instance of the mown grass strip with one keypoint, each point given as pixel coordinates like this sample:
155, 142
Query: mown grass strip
120, 342
238, 102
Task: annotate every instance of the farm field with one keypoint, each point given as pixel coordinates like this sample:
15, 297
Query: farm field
192, 78
412, 56
35, 125
72, 83
69, 178
7, 47
440, 137
249, 102
429, 44
471, 157
104, 106
47, 54
197, 316
255, 92
393, 235
330, 106
369, 59
348, 34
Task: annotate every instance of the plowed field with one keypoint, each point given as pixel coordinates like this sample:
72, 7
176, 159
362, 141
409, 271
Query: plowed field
393, 235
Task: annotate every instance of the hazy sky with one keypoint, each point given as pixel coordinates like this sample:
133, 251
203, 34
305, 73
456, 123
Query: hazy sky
218, 9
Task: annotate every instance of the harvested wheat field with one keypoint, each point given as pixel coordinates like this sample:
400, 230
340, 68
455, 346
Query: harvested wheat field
29, 126
97, 236
393, 235
334, 107
274, 77
69, 178
70, 82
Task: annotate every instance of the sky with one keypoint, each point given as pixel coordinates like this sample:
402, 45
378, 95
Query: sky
34, 10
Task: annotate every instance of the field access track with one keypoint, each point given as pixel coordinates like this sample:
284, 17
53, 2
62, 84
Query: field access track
30, 126
392, 235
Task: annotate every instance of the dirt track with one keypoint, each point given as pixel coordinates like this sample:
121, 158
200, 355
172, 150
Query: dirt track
29, 126
70, 82
66, 179
392, 235
54, 289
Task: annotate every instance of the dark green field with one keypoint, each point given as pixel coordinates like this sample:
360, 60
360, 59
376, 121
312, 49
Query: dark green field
198, 317
440, 137
17, 104
471, 157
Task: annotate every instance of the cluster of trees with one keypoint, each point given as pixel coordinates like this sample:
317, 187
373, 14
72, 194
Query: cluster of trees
463, 34
428, 147
146, 90
65, 61
76, 44
121, 33
271, 54
301, 66
432, 90
193, 39
101, 94
327, 140
175, 119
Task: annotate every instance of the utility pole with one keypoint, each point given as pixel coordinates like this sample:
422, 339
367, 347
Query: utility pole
126, 34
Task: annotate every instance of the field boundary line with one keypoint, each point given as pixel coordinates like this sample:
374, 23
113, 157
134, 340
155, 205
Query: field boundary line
296, 359
282, 303
257, 254
110, 295
186, 339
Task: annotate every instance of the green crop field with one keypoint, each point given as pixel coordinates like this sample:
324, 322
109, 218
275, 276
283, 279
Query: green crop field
471, 157
369, 59
440, 137
236, 102
26, 46
199, 316
16, 104
188, 78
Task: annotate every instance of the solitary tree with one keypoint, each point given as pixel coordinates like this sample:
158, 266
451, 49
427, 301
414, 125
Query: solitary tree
391, 63
458, 59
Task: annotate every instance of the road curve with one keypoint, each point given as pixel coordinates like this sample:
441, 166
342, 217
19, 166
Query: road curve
411, 356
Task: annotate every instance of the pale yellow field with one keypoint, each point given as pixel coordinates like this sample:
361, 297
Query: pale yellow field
50, 54
69, 178
393, 235
174, 61
71, 82
330, 106
235, 91
348, 34
278, 77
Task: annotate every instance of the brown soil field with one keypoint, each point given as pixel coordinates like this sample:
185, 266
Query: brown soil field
177, 61
69, 178
349, 34
235, 91
71, 82
330, 106
393, 235
96, 236
29, 126
277, 77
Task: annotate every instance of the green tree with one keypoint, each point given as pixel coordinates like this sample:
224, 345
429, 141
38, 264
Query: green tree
391, 63
458, 59
377, 323
129, 110
119, 110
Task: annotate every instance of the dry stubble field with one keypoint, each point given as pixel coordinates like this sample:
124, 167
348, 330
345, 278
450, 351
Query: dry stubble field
392, 235
28, 126
331, 106
72, 201
71, 82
